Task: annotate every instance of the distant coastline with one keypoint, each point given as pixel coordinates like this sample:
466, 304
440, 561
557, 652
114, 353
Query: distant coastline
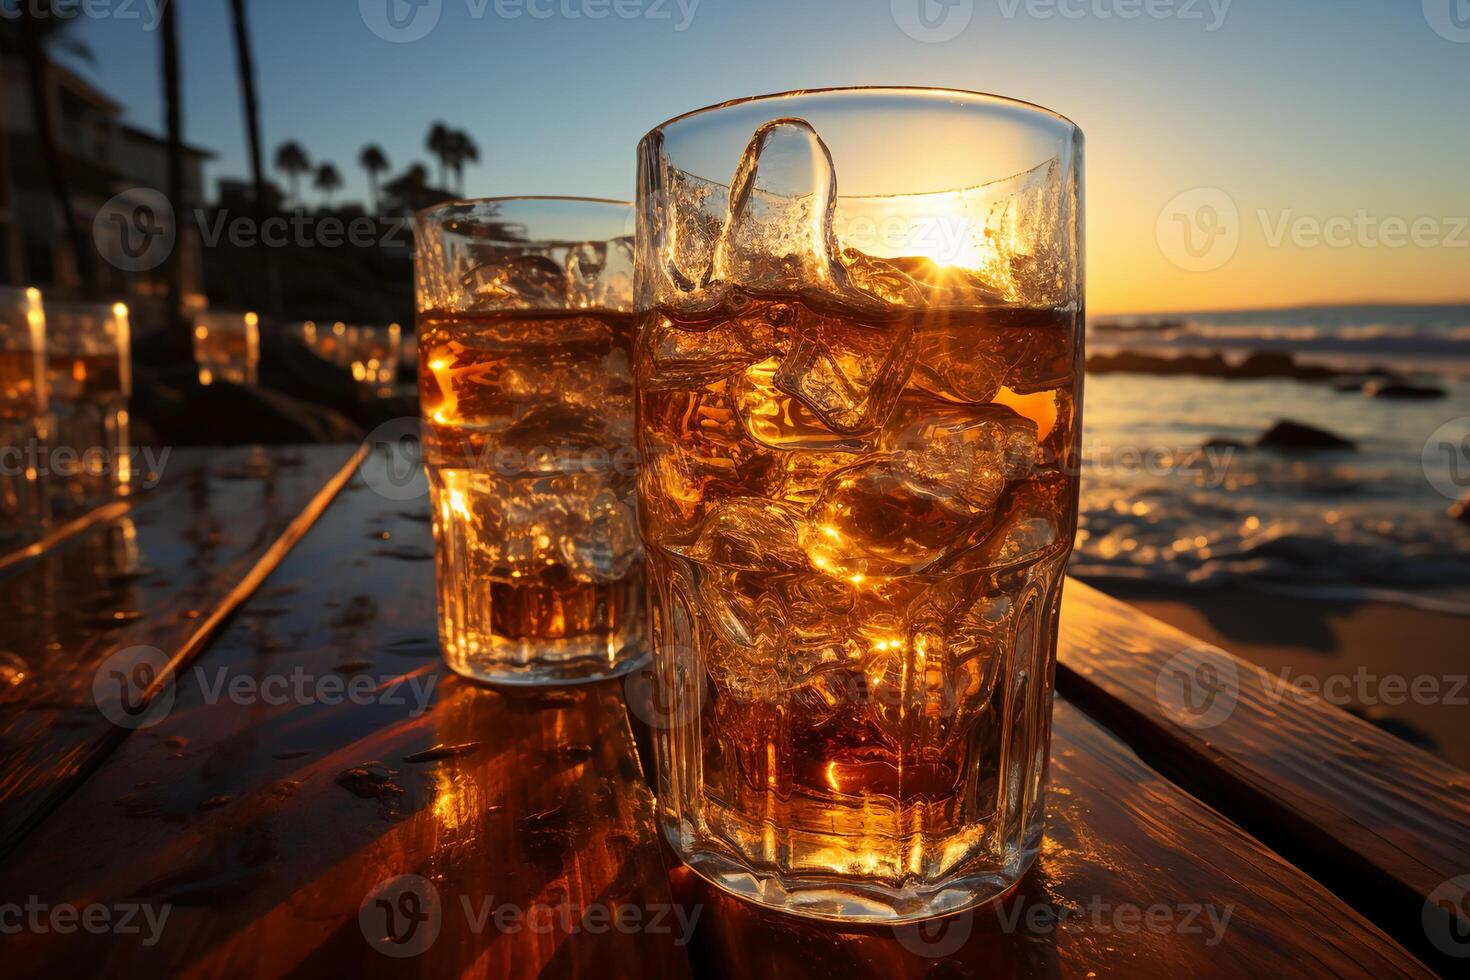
1177, 314
1326, 340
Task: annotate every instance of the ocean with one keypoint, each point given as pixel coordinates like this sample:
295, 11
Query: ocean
1368, 523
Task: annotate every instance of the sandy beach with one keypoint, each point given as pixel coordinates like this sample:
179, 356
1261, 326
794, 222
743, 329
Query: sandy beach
1402, 668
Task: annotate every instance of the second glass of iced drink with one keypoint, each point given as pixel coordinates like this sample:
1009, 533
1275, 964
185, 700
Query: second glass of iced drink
525, 345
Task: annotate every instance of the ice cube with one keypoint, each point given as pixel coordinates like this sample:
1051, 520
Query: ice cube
527, 282
911, 693
692, 453
767, 638
944, 367
524, 533
742, 610
600, 543
876, 518
686, 354
736, 669
1028, 528
751, 533
849, 375
555, 439
805, 471
927, 689
600, 275
778, 236
969, 451
774, 418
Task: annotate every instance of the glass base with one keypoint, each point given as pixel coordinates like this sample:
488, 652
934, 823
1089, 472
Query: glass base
546, 672
853, 900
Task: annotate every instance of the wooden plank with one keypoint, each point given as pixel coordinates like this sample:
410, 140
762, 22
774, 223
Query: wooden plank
1381, 822
268, 823
67, 528
1136, 878
69, 518
139, 594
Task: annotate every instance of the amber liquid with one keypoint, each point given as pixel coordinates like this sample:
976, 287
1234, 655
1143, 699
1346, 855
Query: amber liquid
529, 452
89, 409
226, 355
83, 377
858, 528
18, 380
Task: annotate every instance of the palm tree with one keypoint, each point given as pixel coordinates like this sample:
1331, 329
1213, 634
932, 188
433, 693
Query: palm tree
375, 162
410, 191
245, 63
440, 144
41, 30
462, 150
291, 160
179, 343
327, 181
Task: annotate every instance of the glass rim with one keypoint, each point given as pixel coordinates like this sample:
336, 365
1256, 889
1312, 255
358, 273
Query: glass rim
428, 213
907, 90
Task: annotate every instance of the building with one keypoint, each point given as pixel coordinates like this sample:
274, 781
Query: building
102, 158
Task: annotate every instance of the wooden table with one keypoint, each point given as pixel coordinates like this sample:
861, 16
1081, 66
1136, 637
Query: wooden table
226, 710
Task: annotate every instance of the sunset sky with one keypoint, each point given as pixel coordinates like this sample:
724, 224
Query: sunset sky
1336, 131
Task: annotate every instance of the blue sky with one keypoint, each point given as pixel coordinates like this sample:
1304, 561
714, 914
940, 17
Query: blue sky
1312, 106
